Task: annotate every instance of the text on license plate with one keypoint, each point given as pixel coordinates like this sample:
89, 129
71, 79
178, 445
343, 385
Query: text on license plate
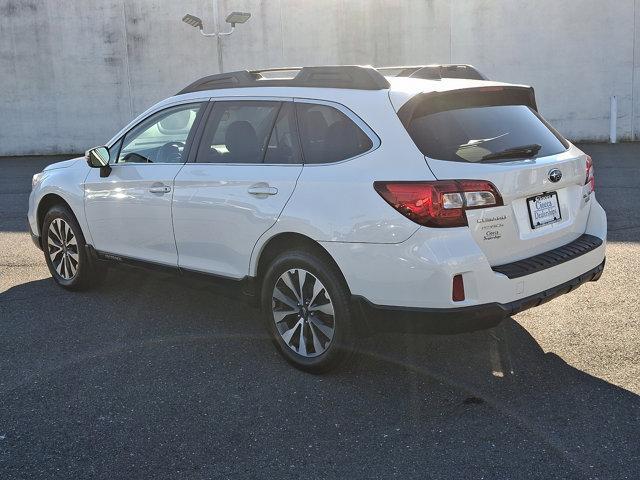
544, 209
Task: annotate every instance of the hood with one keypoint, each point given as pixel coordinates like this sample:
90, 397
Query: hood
63, 164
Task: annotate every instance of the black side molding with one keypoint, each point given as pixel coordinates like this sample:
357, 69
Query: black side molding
581, 245
243, 289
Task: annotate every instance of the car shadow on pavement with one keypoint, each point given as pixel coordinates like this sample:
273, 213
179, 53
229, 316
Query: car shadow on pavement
149, 376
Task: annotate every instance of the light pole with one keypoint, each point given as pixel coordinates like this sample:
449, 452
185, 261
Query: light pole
232, 19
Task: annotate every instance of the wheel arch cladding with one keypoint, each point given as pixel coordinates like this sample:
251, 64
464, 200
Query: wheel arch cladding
48, 201
291, 241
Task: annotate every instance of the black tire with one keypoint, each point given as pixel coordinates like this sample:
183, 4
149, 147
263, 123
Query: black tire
89, 272
343, 343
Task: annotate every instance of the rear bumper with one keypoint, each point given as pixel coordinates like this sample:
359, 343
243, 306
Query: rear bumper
418, 272
380, 318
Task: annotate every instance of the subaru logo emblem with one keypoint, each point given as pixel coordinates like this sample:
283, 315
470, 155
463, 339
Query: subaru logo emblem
555, 175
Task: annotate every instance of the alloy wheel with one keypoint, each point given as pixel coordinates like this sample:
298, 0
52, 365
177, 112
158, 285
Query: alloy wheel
303, 312
63, 249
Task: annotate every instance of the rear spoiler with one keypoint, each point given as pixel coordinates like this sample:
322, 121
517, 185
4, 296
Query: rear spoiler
434, 102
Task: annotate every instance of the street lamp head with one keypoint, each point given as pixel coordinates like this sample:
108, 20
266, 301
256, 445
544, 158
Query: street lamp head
237, 17
192, 20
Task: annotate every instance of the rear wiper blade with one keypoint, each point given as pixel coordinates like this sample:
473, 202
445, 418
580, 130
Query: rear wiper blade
523, 151
480, 141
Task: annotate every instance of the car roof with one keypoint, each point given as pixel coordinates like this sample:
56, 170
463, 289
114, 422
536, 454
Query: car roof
401, 89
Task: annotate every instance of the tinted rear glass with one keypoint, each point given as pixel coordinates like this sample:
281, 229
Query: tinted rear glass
328, 135
237, 131
469, 134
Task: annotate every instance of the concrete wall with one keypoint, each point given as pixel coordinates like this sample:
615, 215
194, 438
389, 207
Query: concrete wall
73, 72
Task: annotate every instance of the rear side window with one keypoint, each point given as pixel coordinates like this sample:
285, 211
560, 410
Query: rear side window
284, 146
489, 129
237, 132
328, 135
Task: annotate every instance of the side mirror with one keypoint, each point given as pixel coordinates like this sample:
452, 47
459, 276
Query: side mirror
98, 157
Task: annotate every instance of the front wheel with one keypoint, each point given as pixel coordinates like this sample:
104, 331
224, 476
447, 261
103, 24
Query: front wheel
64, 249
306, 307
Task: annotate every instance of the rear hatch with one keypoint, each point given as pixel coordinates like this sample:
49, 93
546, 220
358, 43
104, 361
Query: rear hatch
496, 134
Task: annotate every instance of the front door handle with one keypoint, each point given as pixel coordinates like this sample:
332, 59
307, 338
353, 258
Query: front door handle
159, 188
262, 189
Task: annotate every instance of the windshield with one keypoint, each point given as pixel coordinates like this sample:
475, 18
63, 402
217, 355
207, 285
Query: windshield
482, 133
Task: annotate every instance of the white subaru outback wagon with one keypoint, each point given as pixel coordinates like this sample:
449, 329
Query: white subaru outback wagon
340, 200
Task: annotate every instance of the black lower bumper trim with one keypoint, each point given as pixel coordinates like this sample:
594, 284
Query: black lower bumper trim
580, 246
543, 297
379, 318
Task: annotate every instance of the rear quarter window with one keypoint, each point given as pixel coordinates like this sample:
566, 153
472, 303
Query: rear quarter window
328, 135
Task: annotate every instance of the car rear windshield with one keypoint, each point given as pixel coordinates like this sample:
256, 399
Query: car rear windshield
481, 127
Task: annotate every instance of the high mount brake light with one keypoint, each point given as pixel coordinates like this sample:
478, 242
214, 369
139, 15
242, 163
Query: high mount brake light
590, 179
439, 203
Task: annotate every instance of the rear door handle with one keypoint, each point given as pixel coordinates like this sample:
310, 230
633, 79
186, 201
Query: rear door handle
155, 188
262, 189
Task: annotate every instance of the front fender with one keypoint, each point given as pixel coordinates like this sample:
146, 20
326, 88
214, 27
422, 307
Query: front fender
66, 183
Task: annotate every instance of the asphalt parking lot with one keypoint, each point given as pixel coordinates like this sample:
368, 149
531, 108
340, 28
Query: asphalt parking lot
151, 377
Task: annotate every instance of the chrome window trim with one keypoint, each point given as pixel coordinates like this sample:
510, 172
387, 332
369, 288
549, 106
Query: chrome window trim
248, 99
230, 98
368, 131
133, 124
115, 140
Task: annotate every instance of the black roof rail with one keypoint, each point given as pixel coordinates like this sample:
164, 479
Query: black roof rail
340, 76
437, 71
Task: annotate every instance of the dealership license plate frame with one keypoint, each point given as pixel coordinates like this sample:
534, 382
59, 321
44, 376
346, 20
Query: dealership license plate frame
531, 200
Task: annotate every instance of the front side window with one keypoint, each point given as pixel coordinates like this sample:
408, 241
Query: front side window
113, 152
161, 138
328, 135
238, 132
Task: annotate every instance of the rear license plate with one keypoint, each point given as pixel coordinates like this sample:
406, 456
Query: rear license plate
544, 209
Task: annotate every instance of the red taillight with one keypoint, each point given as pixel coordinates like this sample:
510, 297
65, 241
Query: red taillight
439, 203
590, 179
457, 294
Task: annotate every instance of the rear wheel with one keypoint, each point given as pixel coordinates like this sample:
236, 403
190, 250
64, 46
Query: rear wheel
306, 306
64, 249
